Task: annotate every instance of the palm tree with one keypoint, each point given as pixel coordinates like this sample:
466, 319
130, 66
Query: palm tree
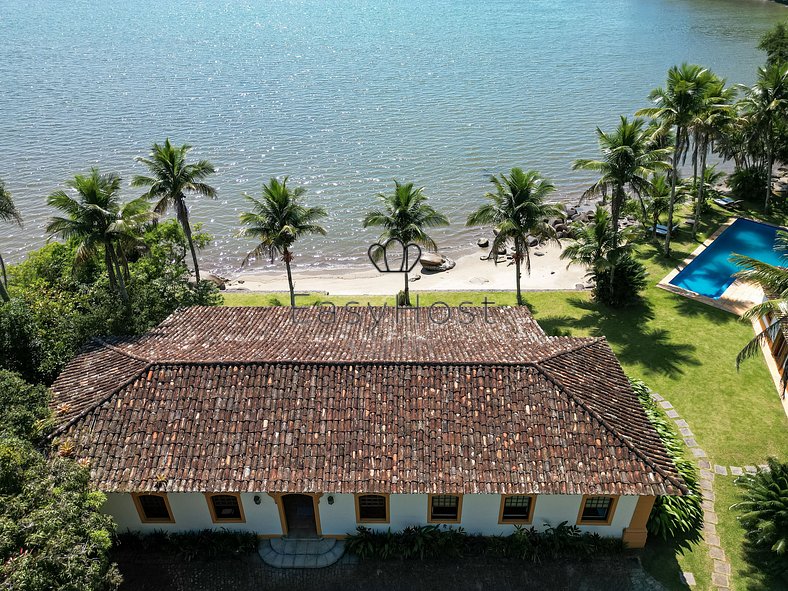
629, 157
517, 209
773, 280
127, 228
765, 105
404, 215
278, 220
90, 219
675, 105
8, 213
171, 179
714, 113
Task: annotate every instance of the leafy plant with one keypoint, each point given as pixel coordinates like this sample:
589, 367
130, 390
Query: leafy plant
190, 546
671, 516
764, 513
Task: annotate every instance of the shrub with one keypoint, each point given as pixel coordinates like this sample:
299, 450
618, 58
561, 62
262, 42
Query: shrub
672, 517
747, 183
189, 546
52, 535
432, 541
764, 515
628, 278
23, 407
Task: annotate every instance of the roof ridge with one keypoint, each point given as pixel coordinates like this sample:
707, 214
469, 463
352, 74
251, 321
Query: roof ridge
122, 351
587, 342
622, 438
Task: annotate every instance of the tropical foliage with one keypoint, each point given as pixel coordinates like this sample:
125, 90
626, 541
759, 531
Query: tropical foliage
618, 277
8, 213
433, 541
775, 44
171, 179
773, 280
764, 513
680, 516
277, 220
518, 212
404, 215
675, 105
629, 157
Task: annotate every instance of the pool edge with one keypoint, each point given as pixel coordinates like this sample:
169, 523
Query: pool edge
665, 283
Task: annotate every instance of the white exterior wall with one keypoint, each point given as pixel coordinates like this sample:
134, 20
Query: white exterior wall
191, 512
479, 514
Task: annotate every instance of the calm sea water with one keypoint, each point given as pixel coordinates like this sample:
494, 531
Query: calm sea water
343, 96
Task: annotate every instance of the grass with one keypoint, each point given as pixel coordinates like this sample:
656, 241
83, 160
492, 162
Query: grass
684, 350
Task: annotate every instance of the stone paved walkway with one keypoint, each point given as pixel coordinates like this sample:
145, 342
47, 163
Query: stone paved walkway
152, 573
721, 567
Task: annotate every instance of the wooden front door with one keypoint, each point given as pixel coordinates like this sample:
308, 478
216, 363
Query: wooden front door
300, 516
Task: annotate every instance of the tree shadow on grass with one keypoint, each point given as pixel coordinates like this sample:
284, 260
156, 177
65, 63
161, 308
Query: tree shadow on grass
628, 333
761, 573
691, 308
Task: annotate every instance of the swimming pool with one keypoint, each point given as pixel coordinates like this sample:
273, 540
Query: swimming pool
711, 272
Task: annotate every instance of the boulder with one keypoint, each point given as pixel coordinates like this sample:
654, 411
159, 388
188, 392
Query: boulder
431, 260
482, 243
531, 241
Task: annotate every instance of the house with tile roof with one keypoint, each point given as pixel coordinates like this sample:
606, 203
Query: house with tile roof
311, 422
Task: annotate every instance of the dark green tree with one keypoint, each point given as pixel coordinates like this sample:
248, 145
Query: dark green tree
8, 213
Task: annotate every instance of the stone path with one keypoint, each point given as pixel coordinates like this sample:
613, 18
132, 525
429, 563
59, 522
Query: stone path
721, 569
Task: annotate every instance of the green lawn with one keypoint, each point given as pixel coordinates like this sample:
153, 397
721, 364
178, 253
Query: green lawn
684, 350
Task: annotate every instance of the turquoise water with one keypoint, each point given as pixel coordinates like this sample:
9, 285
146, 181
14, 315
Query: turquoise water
711, 272
342, 95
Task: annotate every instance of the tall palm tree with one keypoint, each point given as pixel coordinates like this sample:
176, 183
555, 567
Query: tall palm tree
675, 106
128, 227
765, 106
629, 157
715, 111
171, 180
405, 215
773, 280
8, 213
89, 219
278, 220
517, 209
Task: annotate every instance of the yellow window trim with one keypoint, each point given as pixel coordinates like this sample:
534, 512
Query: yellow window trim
212, 509
141, 511
358, 508
277, 497
527, 521
610, 514
429, 508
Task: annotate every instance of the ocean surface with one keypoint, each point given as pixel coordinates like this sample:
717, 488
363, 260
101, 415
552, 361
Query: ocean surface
343, 96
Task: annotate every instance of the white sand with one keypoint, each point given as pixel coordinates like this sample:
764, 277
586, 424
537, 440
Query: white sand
548, 272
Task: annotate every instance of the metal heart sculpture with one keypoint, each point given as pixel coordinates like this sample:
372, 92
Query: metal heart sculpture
379, 256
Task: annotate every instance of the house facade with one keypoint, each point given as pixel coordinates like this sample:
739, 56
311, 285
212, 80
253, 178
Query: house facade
313, 422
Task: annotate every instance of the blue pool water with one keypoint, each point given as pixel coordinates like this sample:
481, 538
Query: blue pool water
711, 272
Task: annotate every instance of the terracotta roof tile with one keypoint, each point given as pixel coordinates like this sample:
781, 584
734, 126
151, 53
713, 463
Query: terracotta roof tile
244, 399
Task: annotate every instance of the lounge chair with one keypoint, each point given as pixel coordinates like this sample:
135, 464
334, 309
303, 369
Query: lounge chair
662, 230
728, 203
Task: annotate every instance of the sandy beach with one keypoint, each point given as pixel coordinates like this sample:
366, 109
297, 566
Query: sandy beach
548, 272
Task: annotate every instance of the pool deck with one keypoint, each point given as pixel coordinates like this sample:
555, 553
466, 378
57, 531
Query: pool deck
739, 296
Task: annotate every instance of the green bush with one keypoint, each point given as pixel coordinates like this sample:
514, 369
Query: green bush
189, 546
672, 517
748, 183
52, 535
764, 514
433, 541
628, 278
23, 407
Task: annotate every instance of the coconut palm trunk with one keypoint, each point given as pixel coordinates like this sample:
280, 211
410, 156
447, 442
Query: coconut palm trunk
182, 213
3, 282
701, 189
287, 257
518, 257
673, 180
769, 165
406, 290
